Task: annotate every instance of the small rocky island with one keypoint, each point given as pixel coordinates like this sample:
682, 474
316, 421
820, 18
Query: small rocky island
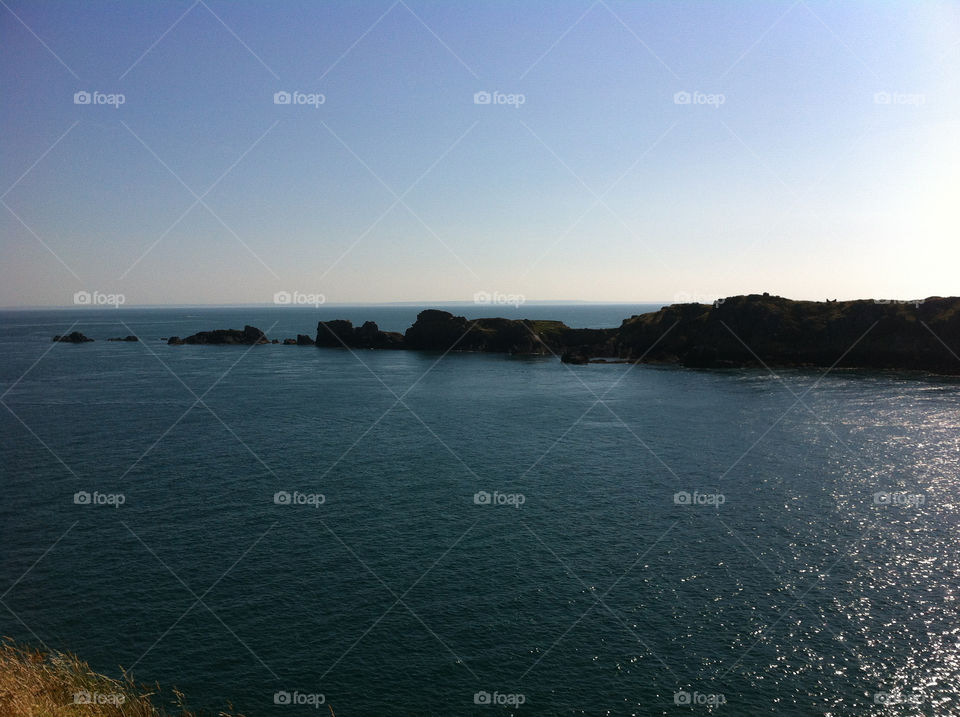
74, 337
752, 330
249, 336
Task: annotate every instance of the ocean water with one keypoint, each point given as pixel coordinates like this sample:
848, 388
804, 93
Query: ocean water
583, 540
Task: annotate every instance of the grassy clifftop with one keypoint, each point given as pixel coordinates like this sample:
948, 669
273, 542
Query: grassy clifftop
54, 684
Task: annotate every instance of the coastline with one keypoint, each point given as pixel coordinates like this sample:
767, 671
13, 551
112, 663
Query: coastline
756, 330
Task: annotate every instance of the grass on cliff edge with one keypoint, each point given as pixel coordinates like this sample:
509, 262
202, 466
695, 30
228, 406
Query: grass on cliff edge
51, 684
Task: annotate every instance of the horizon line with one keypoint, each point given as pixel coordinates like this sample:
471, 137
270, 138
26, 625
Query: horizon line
698, 299
262, 305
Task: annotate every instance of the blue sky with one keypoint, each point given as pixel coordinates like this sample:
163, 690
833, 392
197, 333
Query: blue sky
819, 155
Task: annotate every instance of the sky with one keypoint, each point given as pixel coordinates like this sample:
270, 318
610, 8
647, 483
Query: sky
430, 151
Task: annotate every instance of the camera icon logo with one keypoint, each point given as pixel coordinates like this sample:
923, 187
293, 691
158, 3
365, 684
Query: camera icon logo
282, 497
482, 297
681, 98
282, 297
681, 698
482, 698
682, 498
281, 698
481, 98
82, 298
281, 98
81, 497
881, 498
881, 98
81, 98
481, 498
83, 697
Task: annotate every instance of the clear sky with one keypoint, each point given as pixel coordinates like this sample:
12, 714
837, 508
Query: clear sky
818, 156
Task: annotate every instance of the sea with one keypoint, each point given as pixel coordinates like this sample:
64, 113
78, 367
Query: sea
286, 530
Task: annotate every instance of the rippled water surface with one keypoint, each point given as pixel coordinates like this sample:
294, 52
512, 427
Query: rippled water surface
781, 544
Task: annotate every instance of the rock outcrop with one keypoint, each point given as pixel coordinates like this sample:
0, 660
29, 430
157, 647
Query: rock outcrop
124, 338
436, 330
340, 333
74, 337
248, 337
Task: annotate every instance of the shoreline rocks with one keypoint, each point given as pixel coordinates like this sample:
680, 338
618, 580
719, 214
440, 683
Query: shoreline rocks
742, 331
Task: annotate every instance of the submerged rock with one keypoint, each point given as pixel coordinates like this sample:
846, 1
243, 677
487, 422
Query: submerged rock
125, 338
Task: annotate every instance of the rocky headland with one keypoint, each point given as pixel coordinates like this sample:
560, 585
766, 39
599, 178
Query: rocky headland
751, 330
759, 330
740, 331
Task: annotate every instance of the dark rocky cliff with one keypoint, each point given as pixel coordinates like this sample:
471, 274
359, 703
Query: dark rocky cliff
762, 329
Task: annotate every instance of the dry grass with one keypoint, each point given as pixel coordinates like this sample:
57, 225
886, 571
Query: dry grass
43, 684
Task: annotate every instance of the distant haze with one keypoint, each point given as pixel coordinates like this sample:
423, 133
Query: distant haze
228, 153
